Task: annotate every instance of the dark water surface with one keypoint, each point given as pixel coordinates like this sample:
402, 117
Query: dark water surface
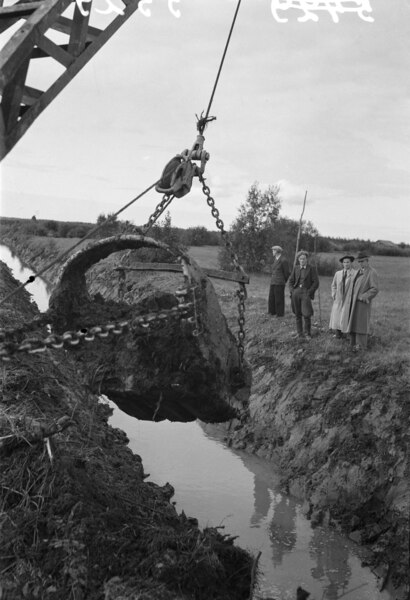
240, 492
222, 487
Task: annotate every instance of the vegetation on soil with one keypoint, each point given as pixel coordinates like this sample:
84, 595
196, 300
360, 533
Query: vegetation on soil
336, 422
77, 519
338, 402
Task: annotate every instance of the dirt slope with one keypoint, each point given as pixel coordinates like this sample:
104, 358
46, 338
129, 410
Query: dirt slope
78, 521
337, 424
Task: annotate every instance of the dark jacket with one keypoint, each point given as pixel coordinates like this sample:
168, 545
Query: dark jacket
310, 283
280, 271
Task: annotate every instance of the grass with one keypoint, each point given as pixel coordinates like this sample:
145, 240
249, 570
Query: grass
390, 308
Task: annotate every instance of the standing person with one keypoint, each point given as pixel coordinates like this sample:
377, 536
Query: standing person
340, 289
280, 275
303, 283
365, 288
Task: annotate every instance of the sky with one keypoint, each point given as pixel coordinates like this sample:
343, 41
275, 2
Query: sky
317, 106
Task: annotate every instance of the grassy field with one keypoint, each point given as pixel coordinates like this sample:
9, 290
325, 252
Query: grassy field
391, 307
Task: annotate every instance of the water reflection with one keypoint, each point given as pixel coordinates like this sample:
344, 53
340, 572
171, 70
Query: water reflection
218, 485
262, 501
332, 562
320, 560
282, 528
37, 289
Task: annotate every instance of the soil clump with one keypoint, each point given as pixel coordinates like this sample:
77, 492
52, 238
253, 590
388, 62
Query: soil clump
336, 425
78, 520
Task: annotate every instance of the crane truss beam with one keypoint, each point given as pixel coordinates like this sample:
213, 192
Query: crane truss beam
20, 103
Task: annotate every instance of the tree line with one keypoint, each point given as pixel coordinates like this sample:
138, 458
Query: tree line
257, 227
163, 230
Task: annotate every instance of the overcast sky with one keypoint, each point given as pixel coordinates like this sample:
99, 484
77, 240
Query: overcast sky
317, 106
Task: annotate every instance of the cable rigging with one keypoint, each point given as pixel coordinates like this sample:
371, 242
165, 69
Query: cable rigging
175, 182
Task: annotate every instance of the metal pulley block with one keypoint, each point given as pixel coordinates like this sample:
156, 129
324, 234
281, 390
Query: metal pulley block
176, 178
197, 152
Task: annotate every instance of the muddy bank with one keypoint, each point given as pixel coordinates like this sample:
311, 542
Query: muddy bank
335, 423
337, 426
77, 518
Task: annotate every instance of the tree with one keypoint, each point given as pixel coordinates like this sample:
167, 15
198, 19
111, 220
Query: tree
51, 226
252, 231
168, 233
109, 225
308, 235
197, 236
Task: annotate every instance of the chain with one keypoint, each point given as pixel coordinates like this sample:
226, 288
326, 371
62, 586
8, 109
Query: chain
139, 326
159, 209
36, 323
241, 293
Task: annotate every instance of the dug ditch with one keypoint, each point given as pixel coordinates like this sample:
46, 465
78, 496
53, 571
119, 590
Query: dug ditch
241, 493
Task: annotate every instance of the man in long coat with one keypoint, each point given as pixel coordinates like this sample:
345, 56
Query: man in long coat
279, 277
365, 288
341, 295
303, 284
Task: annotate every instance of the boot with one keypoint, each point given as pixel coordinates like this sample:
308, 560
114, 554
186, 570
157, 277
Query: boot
299, 327
307, 328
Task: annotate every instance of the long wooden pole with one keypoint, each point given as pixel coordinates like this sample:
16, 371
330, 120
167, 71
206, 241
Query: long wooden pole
300, 229
317, 275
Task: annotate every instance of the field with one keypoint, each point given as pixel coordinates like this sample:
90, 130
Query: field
391, 307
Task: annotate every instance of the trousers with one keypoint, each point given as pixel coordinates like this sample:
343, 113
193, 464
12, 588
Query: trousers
359, 339
276, 300
302, 308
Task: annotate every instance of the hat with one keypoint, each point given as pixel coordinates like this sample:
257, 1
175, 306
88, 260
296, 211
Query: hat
277, 248
351, 258
301, 252
362, 254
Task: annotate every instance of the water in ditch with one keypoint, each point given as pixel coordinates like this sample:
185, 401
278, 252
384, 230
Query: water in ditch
239, 493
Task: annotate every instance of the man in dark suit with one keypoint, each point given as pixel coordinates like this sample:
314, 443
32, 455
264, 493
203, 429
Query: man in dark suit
280, 275
303, 283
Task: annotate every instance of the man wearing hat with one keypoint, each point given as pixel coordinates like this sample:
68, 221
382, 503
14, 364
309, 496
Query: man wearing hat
303, 284
280, 275
365, 288
341, 295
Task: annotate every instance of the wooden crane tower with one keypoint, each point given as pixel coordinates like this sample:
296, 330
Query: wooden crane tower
20, 103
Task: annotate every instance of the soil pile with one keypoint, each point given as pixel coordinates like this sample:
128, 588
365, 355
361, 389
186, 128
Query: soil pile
77, 518
335, 422
337, 425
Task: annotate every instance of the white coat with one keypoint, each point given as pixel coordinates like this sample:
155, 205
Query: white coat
339, 315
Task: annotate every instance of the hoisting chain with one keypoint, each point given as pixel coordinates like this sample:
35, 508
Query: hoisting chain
140, 325
159, 209
241, 292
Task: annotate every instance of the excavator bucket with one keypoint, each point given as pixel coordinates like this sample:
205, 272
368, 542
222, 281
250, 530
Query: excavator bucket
178, 359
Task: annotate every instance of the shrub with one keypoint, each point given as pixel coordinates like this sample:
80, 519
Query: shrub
326, 265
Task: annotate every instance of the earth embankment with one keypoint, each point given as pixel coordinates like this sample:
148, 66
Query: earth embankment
335, 422
78, 520
337, 426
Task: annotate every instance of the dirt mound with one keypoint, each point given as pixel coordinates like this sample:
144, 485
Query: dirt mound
333, 421
77, 518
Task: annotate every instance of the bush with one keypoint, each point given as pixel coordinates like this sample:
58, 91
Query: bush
326, 265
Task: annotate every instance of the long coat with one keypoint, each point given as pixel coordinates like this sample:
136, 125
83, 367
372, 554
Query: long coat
280, 271
365, 287
339, 315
